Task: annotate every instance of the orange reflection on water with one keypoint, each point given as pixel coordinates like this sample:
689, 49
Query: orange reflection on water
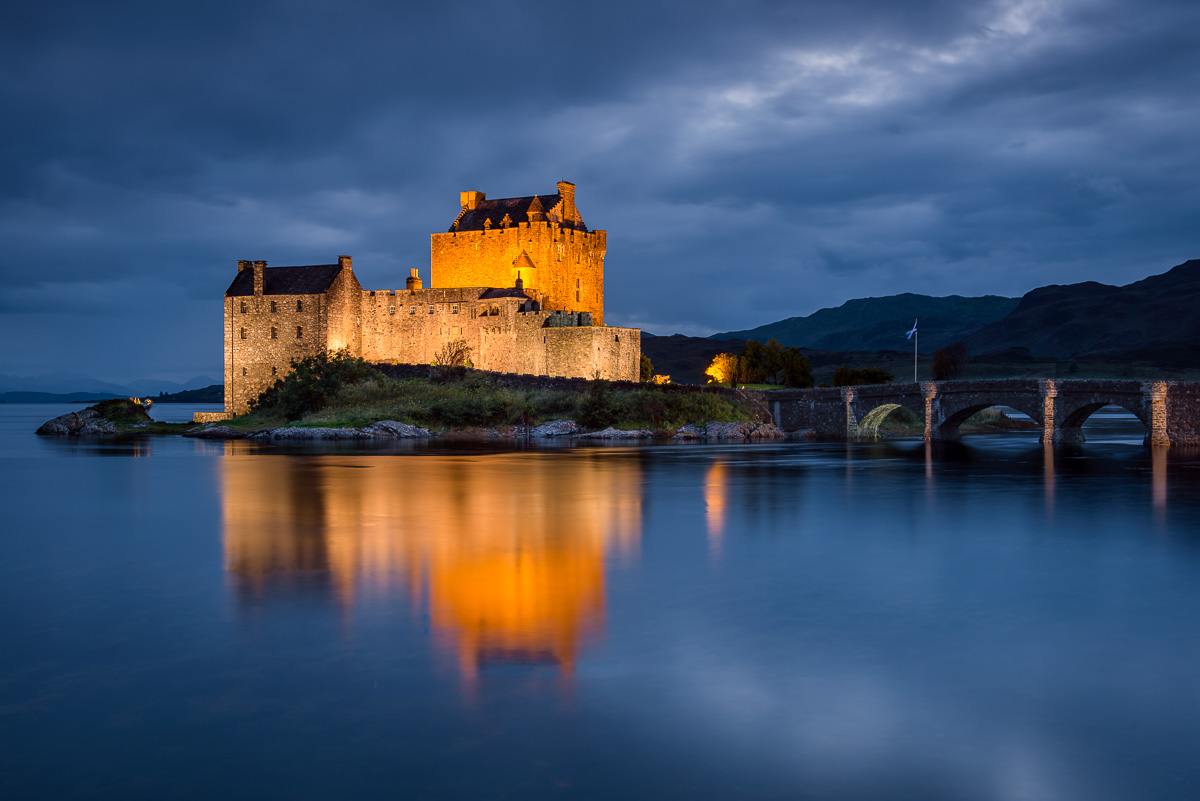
716, 496
507, 550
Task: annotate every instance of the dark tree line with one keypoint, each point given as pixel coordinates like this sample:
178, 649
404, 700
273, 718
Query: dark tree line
771, 363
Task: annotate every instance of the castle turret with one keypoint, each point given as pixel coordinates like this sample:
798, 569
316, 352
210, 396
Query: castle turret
471, 200
536, 213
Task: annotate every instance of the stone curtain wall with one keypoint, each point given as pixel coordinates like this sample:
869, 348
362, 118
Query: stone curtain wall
604, 352
411, 334
566, 264
507, 341
254, 363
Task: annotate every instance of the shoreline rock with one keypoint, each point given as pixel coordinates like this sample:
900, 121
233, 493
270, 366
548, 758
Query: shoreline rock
89, 422
84, 423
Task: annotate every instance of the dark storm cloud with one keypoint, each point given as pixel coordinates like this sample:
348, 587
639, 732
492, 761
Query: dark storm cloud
750, 160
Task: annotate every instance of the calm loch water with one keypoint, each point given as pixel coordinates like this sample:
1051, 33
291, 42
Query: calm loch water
996, 620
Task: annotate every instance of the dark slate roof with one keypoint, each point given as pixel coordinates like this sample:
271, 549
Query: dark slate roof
310, 280
504, 293
517, 208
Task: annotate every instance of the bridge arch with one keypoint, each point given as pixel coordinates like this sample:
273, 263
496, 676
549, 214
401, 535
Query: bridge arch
1070, 427
956, 415
868, 426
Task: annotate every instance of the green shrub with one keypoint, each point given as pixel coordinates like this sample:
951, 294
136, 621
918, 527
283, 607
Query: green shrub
313, 382
122, 410
597, 409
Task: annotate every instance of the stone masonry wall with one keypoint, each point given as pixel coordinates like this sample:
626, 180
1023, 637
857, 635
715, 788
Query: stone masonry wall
611, 353
261, 340
565, 265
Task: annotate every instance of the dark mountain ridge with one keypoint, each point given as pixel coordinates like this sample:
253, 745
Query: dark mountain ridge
1156, 314
871, 324
1156, 318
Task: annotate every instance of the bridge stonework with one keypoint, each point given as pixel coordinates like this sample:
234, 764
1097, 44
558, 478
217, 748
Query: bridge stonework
1170, 410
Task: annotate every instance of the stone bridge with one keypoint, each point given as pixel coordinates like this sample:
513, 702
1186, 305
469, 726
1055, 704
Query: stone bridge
1170, 410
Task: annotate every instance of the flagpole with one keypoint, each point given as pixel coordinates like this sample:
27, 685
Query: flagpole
916, 339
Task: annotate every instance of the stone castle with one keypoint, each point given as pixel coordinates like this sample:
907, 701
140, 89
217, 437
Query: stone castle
520, 280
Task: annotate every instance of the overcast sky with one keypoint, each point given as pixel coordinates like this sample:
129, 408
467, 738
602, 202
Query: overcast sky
751, 161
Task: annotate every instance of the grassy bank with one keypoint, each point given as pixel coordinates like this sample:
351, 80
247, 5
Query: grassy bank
477, 401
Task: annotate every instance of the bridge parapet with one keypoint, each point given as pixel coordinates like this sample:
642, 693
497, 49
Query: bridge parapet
1169, 410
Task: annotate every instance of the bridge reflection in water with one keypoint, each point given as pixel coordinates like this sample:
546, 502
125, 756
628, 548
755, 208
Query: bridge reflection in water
506, 552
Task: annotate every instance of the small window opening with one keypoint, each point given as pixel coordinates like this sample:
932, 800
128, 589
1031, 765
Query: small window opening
413, 310
274, 307
274, 371
243, 333
243, 307
299, 332
391, 309
274, 332
454, 309
300, 305
431, 310
245, 371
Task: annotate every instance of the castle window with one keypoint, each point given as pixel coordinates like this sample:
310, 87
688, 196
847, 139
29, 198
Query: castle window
454, 309
431, 310
274, 371
245, 371
243, 333
274, 332
299, 332
243, 307
391, 309
300, 305
274, 307
412, 310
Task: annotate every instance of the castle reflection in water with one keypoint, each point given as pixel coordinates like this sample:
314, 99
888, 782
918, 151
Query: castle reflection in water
505, 552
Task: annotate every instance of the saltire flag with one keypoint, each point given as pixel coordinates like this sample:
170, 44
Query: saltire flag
913, 331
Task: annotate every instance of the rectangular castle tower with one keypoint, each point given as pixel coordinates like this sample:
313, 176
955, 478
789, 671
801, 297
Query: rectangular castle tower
540, 239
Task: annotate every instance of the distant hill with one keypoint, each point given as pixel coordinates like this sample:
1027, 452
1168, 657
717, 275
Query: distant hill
214, 393
64, 383
57, 397
1154, 318
1152, 321
872, 324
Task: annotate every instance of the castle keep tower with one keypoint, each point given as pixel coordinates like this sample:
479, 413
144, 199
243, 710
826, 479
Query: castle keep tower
541, 239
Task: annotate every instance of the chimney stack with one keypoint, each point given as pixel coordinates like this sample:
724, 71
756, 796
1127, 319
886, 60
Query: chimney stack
260, 268
344, 263
566, 190
243, 265
470, 200
414, 280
